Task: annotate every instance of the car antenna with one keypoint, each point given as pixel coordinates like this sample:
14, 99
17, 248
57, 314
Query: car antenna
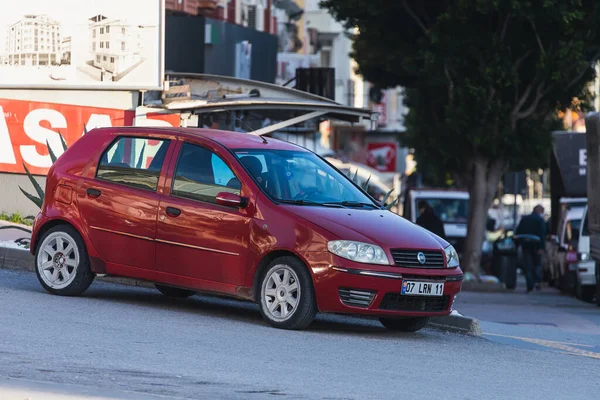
246, 125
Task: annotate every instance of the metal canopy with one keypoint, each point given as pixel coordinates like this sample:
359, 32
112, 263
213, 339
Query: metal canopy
204, 93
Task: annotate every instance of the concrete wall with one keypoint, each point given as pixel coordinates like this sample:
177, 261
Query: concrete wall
11, 198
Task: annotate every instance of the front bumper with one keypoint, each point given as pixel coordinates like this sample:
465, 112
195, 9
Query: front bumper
586, 272
339, 282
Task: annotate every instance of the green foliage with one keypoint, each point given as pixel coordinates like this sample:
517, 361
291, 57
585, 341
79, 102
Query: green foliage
15, 218
38, 199
483, 79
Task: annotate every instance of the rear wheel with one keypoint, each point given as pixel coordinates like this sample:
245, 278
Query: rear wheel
61, 262
174, 292
287, 299
412, 324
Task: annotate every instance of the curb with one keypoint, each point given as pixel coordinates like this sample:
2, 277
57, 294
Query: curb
456, 322
473, 286
22, 260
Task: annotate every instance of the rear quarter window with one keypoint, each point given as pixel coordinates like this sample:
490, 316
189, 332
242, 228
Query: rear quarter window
134, 162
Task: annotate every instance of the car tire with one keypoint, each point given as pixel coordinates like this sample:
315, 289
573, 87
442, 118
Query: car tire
174, 292
286, 294
412, 324
584, 293
62, 264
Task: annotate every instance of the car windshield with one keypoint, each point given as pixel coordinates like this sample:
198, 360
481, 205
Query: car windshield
452, 211
302, 178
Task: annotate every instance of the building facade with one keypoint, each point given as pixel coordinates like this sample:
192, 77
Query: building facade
35, 40
115, 45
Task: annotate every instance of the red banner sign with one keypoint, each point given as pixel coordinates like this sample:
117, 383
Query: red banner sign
382, 156
27, 126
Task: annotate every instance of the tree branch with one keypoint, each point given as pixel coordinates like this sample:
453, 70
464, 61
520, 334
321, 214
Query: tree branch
504, 27
523, 99
537, 36
450, 84
415, 17
583, 71
539, 94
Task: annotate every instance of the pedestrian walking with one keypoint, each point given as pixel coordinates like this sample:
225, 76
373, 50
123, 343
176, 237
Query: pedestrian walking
429, 220
533, 224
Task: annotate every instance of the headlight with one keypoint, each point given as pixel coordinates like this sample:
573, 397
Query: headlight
358, 252
451, 257
584, 256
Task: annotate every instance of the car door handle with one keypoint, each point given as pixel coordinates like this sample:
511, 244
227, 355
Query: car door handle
173, 212
93, 192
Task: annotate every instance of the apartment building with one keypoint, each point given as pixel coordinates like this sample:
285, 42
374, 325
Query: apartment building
35, 40
115, 45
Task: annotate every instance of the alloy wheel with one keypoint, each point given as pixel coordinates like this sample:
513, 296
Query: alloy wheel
57, 260
281, 291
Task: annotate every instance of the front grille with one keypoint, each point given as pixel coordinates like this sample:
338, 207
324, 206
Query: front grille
398, 302
409, 258
356, 297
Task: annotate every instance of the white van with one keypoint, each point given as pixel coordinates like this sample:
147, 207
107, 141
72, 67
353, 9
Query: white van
451, 206
585, 267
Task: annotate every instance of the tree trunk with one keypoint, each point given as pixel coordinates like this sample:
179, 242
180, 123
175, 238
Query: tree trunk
482, 179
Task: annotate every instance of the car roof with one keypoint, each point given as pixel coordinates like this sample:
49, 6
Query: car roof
229, 139
440, 193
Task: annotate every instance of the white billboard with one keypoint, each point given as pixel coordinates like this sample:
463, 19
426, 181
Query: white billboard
76, 44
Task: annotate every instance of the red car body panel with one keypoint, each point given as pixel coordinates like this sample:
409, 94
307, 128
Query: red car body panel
214, 248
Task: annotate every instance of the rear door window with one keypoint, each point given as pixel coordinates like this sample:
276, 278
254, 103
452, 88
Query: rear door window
201, 175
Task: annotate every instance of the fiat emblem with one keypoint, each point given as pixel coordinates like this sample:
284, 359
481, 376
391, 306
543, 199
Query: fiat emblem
421, 258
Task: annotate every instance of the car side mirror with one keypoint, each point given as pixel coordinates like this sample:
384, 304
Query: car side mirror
231, 200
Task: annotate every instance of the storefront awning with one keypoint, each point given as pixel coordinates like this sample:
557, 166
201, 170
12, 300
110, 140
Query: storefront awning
203, 93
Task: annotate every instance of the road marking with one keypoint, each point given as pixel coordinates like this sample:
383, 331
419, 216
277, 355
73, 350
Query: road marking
567, 348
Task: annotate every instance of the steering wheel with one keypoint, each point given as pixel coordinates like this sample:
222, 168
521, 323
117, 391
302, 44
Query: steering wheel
306, 193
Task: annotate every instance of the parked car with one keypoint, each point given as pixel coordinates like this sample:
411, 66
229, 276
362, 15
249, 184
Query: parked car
560, 248
239, 215
585, 266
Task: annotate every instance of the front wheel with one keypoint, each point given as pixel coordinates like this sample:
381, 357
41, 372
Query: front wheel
287, 299
412, 324
174, 292
61, 262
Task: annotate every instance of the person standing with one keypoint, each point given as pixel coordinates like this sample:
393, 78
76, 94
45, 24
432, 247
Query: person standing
533, 224
428, 220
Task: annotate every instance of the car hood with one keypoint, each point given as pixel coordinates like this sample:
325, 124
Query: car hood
380, 227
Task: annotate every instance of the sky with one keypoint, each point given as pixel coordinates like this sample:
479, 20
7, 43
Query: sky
77, 12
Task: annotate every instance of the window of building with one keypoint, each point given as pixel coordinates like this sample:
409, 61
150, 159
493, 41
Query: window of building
122, 46
201, 175
104, 58
94, 33
134, 162
102, 31
112, 60
93, 46
108, 29
123, 30
101, 45
108, 45
98, 59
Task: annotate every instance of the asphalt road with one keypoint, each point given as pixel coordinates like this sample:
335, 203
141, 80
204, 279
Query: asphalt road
121, 342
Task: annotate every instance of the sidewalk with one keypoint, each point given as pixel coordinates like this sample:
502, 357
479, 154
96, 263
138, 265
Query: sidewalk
546, 308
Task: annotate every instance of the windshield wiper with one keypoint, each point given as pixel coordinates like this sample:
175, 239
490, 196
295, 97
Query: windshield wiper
309, 203
346, 203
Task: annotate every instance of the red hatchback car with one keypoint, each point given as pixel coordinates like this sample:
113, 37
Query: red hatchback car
240, 215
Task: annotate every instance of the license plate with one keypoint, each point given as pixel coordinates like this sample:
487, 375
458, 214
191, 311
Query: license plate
415, 288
